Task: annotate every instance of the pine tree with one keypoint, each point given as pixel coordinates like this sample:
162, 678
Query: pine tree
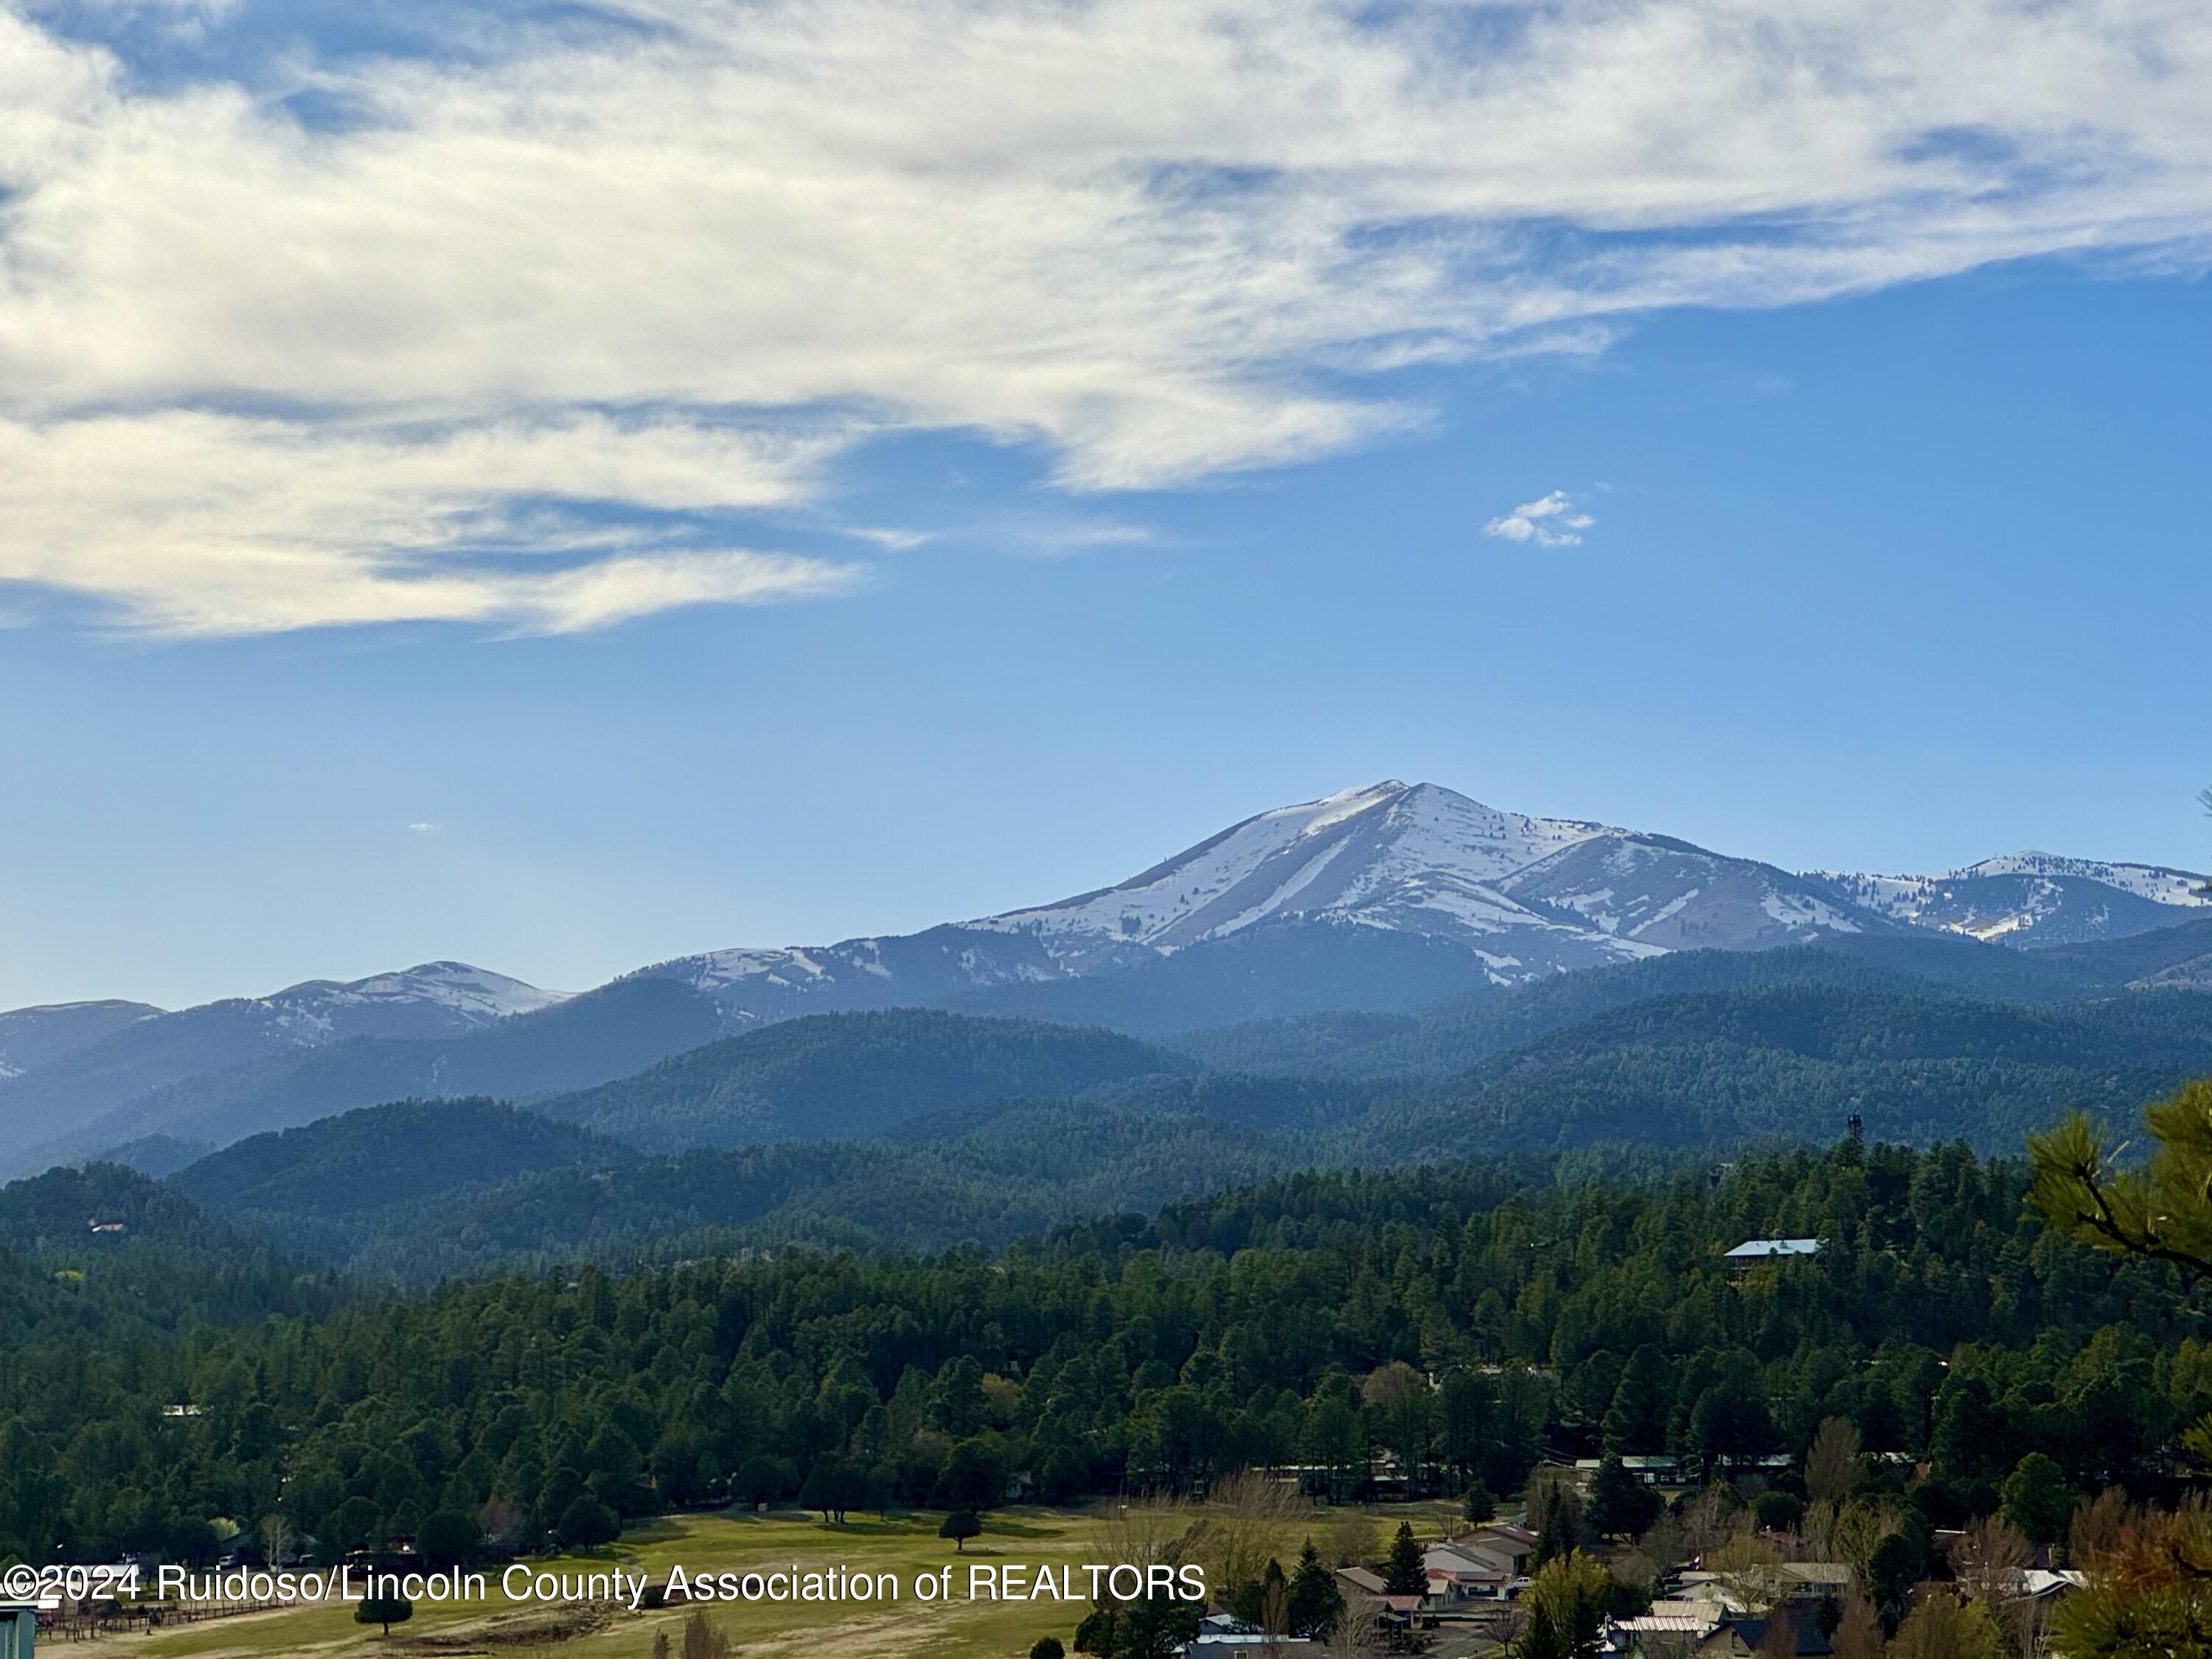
1636, 1421
1556, 1537
1403, 1573
1618, 1504
2038, 1499
1316, 1602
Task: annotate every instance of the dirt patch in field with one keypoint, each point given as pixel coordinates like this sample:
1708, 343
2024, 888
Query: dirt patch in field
540, 1630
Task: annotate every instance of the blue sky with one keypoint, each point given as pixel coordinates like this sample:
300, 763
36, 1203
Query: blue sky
566, 634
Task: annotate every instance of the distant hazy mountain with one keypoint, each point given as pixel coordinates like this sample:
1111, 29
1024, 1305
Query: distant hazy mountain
147, 1049
573, 1044
2034, 899
32, 1037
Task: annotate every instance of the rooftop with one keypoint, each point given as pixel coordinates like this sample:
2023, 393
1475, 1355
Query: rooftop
1760, 1249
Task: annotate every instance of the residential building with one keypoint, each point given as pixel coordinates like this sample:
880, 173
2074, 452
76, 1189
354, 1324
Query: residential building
1222, 1636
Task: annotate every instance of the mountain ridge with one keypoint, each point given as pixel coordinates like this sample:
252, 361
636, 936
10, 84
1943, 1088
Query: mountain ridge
1383, 898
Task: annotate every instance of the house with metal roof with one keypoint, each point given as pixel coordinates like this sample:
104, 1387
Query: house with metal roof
1757, 1252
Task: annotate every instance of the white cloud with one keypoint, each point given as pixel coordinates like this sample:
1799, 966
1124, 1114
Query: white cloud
1159, 240
423, 827
194, 523
1551, 520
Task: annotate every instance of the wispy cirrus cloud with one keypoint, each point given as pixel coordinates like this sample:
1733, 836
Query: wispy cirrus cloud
1553, 519
616, 267
195, 522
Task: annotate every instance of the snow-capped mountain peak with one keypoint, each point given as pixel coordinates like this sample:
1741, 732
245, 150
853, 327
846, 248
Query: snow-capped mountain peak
1513, 897
1350, 855
470, 992
1420, 872
2154, 882
2042, 898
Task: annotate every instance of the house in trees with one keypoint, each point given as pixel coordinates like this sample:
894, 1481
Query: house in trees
1669, 1629
1650, 1470
1504, 1538
1458, 1572
1488, 1562
1358, 1583
1220, 1636
1365, 1597
1763, 1252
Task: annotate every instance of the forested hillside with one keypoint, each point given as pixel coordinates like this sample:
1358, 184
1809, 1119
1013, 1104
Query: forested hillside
105, 1260
1792, 1060
986, 1173
847, 1075
922, 1129
1296, 1322
1454, 1035
382, 1156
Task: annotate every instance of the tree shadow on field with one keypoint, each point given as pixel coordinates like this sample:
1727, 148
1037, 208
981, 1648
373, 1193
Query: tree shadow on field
1000, 1526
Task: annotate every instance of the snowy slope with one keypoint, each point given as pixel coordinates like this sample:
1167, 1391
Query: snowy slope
2181, 888
1529, 894
2033, 899
1421, 859
1520, 897
434, 993
1668, 894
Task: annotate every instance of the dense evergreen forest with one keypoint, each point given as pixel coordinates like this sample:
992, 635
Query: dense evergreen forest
1466, 1320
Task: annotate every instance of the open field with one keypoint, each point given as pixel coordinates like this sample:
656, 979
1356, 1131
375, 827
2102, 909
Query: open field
907, 1545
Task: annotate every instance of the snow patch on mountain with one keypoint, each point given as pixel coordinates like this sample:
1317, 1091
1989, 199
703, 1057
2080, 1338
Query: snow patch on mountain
1384, 854
32, 1037
2031, 898
2182, 888
318, 1010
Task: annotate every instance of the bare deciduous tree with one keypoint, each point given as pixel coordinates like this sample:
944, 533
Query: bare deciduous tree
276, 1539
1944, 1627
1832, 1468
2097, 1527
1858, 1632
703, 1639
1857, 1532
1245, 1521
1988, 1561
1779, 1639
1712, 1518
